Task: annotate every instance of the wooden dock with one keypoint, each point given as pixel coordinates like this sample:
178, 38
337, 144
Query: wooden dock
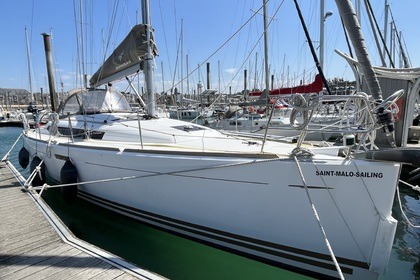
34, 244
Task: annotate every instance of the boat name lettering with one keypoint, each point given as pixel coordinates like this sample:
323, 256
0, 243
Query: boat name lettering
122, 65
357, 174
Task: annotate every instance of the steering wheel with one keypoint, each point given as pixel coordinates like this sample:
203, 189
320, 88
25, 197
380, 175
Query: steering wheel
391, 99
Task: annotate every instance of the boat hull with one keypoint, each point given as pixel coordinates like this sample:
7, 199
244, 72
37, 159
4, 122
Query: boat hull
250, 205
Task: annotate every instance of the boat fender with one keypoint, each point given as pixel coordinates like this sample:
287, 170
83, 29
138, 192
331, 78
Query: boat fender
68, 175
38, 180
23, 157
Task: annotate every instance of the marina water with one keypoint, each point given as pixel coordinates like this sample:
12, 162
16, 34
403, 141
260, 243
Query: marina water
179, 258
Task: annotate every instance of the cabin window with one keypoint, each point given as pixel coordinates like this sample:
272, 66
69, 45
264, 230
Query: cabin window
235, 123
95, 101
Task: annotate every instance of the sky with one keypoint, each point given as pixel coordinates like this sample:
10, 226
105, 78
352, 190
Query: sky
227, 34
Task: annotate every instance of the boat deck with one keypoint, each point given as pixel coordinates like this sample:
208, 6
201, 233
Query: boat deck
34, 244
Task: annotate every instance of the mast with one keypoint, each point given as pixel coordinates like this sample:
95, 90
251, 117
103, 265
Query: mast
358, 11
311, 47
372, 22
51, 83
29, 65
163, 79
149, 70
402, 51
385, 27
82, 47
256, 71
267, 73
351, 22
245, 80
188, 76
321, 34
208, 73
181, 66
322, 18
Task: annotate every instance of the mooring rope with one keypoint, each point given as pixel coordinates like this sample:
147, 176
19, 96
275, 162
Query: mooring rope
305, 106
6, 156
315, 212
173, 173
37, 170
415, 188
401, 209
343, 218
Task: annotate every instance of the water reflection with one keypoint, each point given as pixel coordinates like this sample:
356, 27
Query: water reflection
406, 248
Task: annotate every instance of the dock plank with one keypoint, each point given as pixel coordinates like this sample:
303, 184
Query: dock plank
31, 262
75, 267
38, 266
30, 247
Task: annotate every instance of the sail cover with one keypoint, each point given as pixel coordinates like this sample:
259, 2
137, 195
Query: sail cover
126, 58
315, 86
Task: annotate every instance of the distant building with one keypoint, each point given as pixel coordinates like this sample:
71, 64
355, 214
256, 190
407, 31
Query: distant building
14, 96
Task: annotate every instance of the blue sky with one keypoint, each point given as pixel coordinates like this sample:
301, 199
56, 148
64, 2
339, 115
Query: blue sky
206, 25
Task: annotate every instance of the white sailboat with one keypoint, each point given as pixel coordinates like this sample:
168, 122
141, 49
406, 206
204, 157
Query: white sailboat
287, 120
306, 209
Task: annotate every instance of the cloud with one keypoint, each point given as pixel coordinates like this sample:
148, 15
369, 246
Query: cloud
231, 70
66, 77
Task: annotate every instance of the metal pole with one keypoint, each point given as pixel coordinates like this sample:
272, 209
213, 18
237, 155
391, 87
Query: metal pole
149, 71
50, 72
267, 72
321, 35
351, 22
208, 75
29, 66
385, 26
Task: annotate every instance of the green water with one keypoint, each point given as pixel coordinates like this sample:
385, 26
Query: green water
171, 256
179, 258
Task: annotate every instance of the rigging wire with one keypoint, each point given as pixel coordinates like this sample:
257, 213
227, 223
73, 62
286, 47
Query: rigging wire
165, 38
371, 13
315, 212
111, 27
247, 58
77, 42
407, 61
249, 54
220, 47
312, 48
55, 60
29, 51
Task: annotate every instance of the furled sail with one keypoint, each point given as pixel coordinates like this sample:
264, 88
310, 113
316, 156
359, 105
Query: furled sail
126, 58
315, 86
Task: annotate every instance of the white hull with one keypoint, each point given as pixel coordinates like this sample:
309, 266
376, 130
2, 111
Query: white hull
254, 204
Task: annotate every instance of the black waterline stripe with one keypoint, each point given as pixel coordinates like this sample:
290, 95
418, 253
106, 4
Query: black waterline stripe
210, 233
